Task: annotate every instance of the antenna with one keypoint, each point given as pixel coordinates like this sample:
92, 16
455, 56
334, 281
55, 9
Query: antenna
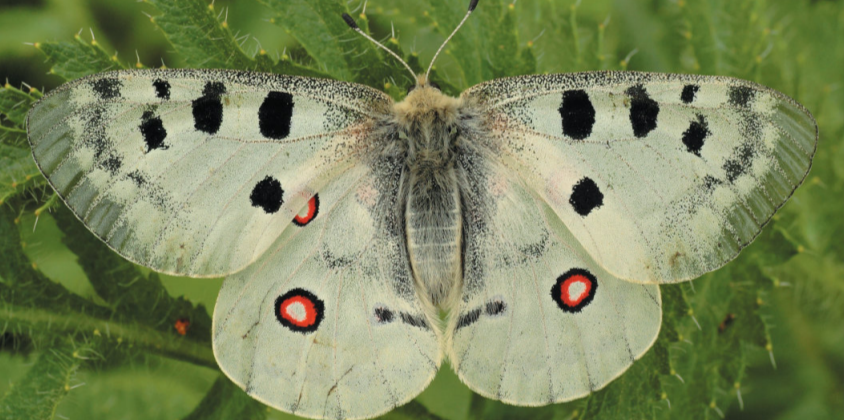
472, 5
353, 25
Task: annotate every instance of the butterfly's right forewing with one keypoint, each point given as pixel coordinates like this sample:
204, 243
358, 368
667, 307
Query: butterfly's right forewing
660, 177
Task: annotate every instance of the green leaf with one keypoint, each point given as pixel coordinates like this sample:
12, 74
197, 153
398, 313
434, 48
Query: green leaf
464, 46
486, 47
204, 41
199, 38
49, 380
410, 411
633, 395
72, 60
14, 104
17, 171
226, 401
133, 295
49, 313
11, 136
336, 48
27, 297
527, 62
724, 37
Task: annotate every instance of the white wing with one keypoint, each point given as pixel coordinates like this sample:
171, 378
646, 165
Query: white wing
660, 177
539, 321
196, 172
327, 324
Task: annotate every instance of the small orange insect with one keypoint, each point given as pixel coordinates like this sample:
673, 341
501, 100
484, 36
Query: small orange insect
726, 322
182, 326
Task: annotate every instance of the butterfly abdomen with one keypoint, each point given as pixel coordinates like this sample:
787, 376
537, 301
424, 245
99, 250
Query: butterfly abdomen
427, 119
434, 231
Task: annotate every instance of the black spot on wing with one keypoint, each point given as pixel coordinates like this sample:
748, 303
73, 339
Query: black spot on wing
495, 307
162, 88
578, 114
275, 114
137, 178
643, 111
268, 195
689, 93
710, 182
112, 163
740, 163
741, 96
334, 262
468, 318
536, 249
153, 131
97, 139
414, 321
208, 109
586, 196
384, 315
107, 88
695, 135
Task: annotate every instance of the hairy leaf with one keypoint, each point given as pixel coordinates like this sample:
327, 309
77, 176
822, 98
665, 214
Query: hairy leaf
14, 104
16, 170
226, 401
194, 28
49, 380
74, 59
337, 50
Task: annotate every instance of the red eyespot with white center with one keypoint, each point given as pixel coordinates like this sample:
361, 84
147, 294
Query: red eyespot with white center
310, 212
574, 290
299, 310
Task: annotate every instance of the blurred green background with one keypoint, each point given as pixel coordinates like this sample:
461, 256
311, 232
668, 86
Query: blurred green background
795, 46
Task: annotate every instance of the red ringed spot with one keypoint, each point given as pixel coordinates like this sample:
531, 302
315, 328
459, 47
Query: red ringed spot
574, 290
182, 326
299, 310
311, 214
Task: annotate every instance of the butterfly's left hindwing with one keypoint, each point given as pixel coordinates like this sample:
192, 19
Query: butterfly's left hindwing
197, 172
661, 177
327, 324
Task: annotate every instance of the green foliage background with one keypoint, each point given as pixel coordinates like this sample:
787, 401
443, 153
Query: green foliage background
85, 334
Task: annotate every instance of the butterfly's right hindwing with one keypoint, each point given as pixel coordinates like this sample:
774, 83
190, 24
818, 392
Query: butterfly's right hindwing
196, 172
327, 324
539, 321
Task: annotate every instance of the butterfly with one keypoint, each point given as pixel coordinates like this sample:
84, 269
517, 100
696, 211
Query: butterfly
540, 212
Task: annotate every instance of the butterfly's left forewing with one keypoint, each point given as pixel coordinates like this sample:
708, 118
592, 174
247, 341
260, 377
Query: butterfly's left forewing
660, 177
197, 172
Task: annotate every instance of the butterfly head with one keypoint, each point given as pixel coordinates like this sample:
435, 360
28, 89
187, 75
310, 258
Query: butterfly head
426, 98
423, 82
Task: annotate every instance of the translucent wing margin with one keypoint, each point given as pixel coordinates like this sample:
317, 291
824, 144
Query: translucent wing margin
660, 177
196, 172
